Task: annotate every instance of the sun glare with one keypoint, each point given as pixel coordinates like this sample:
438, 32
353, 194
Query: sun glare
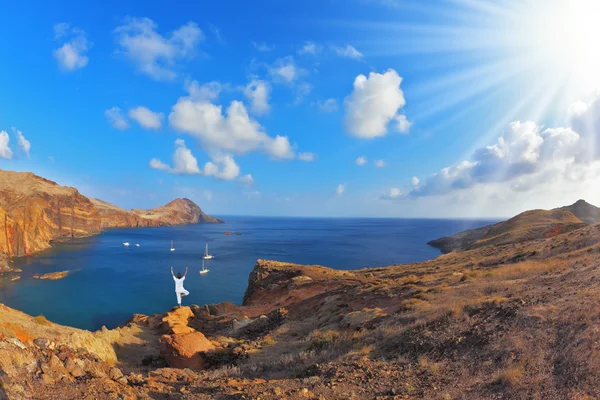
563, 35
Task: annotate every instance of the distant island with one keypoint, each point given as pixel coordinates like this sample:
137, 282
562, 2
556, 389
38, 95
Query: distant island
36, 212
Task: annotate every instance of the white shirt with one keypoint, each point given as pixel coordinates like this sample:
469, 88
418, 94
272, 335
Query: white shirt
179, 284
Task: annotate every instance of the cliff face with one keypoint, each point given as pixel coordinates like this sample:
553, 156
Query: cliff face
35, 212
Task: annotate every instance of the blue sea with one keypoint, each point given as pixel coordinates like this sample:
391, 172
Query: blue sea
109, 282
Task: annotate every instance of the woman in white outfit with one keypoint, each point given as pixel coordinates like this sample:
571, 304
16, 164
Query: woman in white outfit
179, 290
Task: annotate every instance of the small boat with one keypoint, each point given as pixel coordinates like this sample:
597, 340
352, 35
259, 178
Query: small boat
204, 270
227, 233
172, 248
125, 244
206, 255
137, 245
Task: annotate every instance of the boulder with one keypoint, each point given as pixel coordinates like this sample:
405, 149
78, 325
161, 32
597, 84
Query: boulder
183, 350
42, 343
176, 321
75, 367
115, 374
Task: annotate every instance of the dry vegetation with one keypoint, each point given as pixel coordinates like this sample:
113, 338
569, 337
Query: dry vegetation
518, 321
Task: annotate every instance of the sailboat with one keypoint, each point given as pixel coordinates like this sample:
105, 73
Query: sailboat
172, 248
206, 255
125, 243
204, 270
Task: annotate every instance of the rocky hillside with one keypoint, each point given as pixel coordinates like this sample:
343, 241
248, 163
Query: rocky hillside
513, 321
35, 212
177, 212
534, 224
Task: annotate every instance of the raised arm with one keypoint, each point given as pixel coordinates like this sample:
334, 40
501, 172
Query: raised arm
172, 274
186, 269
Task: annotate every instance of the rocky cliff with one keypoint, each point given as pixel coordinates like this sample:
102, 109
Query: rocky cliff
35, 212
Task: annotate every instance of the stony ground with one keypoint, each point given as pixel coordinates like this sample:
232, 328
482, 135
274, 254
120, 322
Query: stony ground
518, 321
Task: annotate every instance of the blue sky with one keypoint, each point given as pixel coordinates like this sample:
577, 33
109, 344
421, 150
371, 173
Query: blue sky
340, 108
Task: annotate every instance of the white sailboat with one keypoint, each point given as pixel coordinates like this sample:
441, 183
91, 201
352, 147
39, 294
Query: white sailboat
125, 244
206, 255
172, 248
204, 270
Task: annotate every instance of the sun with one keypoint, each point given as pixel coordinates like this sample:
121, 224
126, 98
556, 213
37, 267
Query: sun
562, 37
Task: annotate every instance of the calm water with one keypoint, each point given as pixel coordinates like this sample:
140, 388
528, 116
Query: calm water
110, 282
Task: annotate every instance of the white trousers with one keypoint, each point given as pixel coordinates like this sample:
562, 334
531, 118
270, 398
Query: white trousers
179, 295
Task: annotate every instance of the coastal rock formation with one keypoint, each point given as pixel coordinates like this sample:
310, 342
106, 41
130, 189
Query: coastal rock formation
529, 225
176, 212
36, 212
53, 276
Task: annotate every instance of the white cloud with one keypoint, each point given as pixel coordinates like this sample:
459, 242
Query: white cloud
257, 92
393, 193
329, 105
72, 54
233, 131
116, 119
526, 157
24, 144
380, 163
309, 48
247, 180
155, 163
373, 104
208, 91
285, 70
360, 161
402, 124
348, 52
5, 151
307, 156
414, 181
154, 54
263, 47
340, 189
146, 118
184, 162
222, 166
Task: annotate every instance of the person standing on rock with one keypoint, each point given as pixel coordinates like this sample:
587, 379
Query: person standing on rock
179, 290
